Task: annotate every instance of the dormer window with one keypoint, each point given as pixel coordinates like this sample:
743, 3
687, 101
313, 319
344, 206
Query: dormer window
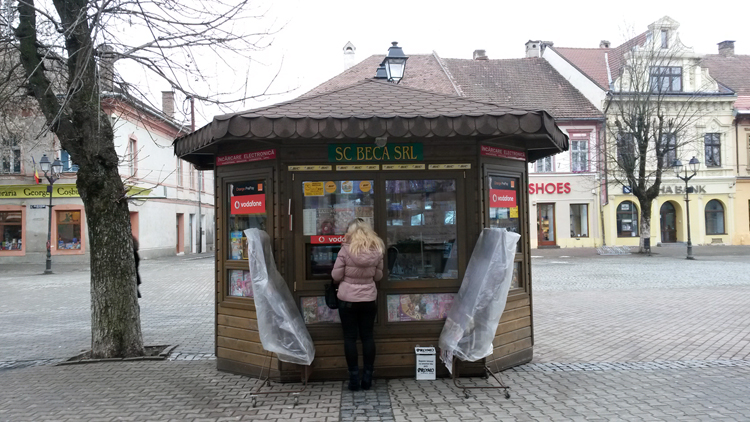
664, 38
666, 79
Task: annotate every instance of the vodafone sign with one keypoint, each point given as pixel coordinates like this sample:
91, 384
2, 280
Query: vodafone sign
249, 204
502, 198
326, 239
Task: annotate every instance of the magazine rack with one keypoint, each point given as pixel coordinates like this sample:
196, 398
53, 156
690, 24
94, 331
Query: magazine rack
488, 373
267, 381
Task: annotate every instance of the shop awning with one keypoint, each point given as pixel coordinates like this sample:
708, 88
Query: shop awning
371, 109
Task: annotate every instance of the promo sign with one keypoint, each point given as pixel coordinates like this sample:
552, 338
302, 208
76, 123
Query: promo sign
249, 204
501, 198
320, 240
502, 153
248, 157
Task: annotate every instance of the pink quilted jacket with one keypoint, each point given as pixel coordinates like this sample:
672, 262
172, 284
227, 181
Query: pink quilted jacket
357, 275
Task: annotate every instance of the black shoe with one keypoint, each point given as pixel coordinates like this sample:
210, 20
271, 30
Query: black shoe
354, 380
367, 379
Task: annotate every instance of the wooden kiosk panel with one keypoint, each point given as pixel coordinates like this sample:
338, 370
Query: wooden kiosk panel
442, 169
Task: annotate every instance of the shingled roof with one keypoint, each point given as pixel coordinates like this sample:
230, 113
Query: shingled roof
372, 108
732, 71
423, 71
527, 83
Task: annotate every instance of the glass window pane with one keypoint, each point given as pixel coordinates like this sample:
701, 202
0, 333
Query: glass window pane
247, 210
421, 234
330, 206
579, 223
419, 307
315, 310
240, 284
320, 260
503, 204
10, 231
627, 219
68, 229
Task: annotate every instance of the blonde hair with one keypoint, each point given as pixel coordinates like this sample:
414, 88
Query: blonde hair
362, 238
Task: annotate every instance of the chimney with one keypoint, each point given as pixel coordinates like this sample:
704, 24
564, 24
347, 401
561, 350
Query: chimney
726, 48
603, 44
107, 67
349, 50
536, 48
480, 55
167, 104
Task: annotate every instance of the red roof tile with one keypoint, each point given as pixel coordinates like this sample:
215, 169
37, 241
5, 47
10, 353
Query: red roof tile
731, 71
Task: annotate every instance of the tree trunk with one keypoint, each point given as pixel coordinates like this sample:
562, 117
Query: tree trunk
645, 224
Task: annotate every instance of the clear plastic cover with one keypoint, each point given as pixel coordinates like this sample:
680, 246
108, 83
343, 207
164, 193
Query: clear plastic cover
282, 330
472, 320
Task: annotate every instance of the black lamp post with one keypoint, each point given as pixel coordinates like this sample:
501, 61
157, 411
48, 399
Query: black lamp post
394, 63
678, 168
52, 173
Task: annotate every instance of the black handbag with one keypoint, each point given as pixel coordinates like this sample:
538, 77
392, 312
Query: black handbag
332, 299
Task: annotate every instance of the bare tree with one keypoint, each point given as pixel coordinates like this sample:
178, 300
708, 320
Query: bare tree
652, 110
61, 53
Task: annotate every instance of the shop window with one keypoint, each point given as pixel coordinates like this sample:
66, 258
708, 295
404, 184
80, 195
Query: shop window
627, 219
419, 307
328, 208
545, 165
68, 230
712, 145
503, 204
579, 220
67, 162
579, 154
715, 217
247, 210
11, 230
315, 310
421, 233
240, 283
11, 156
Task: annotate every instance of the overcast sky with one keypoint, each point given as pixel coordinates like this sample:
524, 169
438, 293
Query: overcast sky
315, 32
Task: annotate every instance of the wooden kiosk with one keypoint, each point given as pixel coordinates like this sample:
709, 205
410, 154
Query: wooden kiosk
429, 171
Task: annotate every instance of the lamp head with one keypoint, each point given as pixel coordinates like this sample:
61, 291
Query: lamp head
44, 163
56, 167
694, 164
677, 166
395, 63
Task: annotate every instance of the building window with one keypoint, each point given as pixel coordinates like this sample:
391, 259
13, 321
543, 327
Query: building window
715, 217
625, 150
579, 220
669, 143
133, 155
11, 156
664, 38
68, 230
544, 165
627, 219
579, 152
179, 172
192, 176
666, 79
67, 162
11, 231
712, 143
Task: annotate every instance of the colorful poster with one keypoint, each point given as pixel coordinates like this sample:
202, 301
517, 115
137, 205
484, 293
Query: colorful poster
240, 283
314, 310
419, 307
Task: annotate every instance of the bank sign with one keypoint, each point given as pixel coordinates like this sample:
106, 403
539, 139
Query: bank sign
355, 153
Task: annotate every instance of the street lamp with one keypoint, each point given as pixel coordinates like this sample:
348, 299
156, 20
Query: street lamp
52, 173
678, 168
394, 63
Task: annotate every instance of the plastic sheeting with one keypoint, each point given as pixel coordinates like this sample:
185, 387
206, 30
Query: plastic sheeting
282, 330
472, 320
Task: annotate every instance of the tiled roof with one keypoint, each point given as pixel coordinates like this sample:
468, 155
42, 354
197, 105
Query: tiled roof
530, 83
732, 71
422, 72
372, 108
593, 61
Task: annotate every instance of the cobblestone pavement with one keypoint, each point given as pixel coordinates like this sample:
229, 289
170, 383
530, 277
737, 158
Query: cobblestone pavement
617, 338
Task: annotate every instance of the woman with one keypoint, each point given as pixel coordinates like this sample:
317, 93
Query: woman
358, 266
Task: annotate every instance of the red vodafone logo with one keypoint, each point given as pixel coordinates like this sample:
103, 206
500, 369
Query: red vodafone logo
502, 198
326, 239
249, 204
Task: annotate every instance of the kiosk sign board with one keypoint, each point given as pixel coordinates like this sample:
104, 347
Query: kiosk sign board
425, 363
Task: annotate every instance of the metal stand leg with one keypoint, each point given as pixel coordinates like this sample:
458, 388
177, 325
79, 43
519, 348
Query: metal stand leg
295, 393
488, 372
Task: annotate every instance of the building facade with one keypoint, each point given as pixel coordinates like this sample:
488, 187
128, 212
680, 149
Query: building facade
171, 205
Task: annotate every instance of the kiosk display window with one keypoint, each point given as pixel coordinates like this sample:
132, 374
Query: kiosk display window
421, 232
419, 307
247, 210
503, 204
328, 208
315, 310
240, 283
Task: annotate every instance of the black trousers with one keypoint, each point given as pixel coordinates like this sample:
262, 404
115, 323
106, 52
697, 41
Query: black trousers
357, 320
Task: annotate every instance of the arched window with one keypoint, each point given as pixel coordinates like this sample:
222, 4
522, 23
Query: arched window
627, 219
715, 217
